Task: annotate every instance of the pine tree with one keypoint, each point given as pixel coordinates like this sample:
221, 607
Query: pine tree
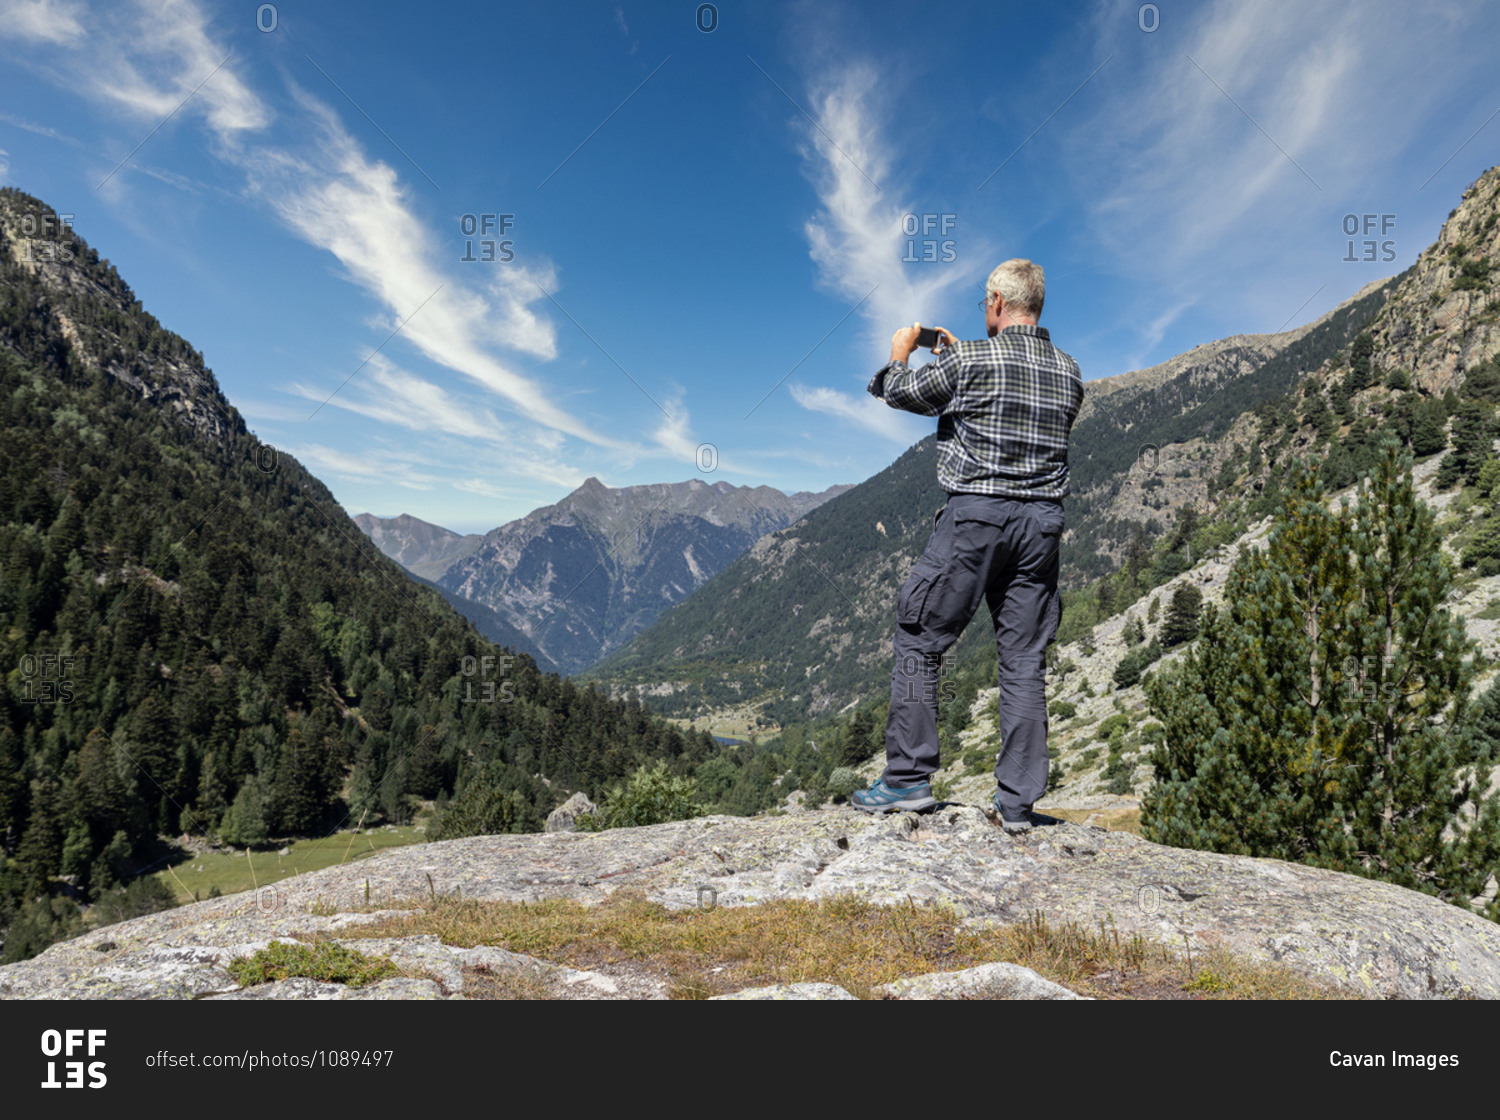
1105, 595
1359, 362
1306, 725
860, 743
244, 824
1182, 616
1136, 554
1427, 434
485, 807
1473, 443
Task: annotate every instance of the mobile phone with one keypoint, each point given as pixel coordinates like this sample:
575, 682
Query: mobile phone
927, 337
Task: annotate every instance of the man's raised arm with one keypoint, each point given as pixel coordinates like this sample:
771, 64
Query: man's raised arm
925, 391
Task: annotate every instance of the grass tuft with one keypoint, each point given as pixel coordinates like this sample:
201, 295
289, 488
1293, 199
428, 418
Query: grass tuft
845, 940
323, 960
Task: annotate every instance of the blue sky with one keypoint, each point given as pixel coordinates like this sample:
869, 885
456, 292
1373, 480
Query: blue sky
711, 234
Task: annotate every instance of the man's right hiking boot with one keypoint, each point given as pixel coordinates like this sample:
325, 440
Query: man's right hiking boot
881, 798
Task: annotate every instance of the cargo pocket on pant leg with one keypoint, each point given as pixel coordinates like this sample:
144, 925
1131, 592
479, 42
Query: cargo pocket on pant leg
914, 594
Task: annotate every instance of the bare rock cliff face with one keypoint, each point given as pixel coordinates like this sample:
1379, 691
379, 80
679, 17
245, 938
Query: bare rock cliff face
100, 320
1442, 319
1379, 939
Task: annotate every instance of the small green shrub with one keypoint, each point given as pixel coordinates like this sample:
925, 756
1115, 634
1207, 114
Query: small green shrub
653, 795
1117, 775
844, 781
979, 759
325, 961
1107, 729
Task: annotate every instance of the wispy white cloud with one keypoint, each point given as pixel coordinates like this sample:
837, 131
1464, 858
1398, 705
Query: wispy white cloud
159, 59
1215, 164
41, 21
459, 432
328, 191
363, 468
333, 195
1155, 330
694, 454
38, 129
859, 235
865, 411
383, 391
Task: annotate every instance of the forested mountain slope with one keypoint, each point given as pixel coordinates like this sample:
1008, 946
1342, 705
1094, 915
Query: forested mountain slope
197, 639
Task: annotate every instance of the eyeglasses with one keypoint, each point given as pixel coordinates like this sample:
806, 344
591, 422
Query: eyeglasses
984, 304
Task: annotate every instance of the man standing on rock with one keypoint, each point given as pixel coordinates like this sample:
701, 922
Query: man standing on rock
1005, 407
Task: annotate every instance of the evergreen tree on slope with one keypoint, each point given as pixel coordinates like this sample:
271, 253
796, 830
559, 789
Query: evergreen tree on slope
1325, 717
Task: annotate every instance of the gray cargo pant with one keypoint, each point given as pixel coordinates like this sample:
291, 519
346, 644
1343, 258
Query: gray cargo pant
1006, 552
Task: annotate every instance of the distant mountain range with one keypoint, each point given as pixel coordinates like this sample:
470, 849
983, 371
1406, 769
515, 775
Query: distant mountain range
573, 581
420, 547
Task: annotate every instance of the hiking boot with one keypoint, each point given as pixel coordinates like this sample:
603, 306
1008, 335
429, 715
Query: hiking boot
880, 798
1013, 827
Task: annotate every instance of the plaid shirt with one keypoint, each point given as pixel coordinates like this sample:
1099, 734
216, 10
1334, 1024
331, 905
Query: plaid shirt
1005, 406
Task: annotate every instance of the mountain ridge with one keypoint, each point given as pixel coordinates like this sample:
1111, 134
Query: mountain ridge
579, 577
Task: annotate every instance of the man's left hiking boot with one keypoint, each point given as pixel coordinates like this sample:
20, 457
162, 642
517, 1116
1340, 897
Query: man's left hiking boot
1014, 827
881, 798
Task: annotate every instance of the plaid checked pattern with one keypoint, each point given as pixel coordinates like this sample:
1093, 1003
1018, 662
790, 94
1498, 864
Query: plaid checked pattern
1005, 406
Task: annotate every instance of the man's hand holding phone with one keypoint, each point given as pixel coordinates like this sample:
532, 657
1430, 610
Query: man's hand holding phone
907, 339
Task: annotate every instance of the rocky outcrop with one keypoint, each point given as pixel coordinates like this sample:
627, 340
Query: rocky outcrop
999, 980
83, 304
565, 817
1441, 321
1379, 939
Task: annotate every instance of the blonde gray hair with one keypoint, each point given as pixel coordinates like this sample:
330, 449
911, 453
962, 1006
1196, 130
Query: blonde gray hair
1021, 285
